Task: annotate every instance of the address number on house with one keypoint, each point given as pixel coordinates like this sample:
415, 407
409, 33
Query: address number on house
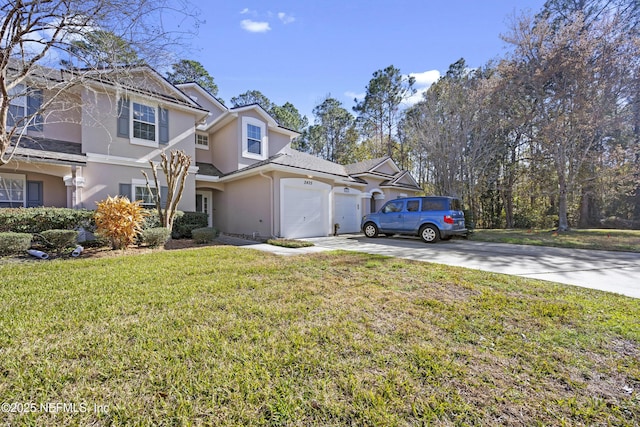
307, 182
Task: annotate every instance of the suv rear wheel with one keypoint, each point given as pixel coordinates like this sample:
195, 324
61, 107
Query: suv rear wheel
429, 233
370, 230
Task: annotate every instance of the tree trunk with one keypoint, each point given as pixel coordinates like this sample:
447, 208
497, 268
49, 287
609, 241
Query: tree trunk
563, 221
588, 209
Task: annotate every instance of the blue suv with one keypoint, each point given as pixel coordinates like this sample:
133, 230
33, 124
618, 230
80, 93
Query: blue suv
432, 218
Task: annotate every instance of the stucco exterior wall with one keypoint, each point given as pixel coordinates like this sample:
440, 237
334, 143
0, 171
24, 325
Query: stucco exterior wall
99, 130
244, 207
62, 120
97, 188
225, 145
386, 168
54, 191
205, 103
277, 142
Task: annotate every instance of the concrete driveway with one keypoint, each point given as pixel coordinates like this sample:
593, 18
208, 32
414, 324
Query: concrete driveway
617, 272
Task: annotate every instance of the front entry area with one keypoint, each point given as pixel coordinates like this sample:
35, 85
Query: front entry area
204, 200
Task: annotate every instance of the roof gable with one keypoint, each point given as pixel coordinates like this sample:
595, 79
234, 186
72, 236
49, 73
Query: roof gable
380, 166
201, 92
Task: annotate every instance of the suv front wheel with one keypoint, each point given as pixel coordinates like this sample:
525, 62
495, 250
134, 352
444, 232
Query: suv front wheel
370, 230
429, 233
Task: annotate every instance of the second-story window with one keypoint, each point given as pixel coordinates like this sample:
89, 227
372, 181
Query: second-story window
202, 141
144, 122
254, 139
255, 142
17, 105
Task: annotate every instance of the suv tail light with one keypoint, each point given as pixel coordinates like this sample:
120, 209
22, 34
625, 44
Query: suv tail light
449, 219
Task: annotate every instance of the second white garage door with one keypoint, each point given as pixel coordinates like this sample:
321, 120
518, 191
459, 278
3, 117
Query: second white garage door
346, 209
304, 208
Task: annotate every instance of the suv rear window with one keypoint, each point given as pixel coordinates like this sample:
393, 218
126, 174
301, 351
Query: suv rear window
456, 205
434, 205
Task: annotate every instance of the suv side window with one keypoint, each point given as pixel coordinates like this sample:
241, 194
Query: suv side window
413, 205
434, 205
392, 207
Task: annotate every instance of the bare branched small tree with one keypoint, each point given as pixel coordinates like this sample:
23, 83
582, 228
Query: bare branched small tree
175, 169
48, 47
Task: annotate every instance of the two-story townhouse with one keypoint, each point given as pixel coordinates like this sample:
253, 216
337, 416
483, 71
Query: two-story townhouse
252, 182
245, 174
96, 138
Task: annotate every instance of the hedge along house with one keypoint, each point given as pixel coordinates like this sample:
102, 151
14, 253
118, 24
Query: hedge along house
245, 175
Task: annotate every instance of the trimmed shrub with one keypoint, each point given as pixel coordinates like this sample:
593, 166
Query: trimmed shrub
156, 236
37, 220
204, 234
151, 219
119, 220
186, 222
60, 239
14, 243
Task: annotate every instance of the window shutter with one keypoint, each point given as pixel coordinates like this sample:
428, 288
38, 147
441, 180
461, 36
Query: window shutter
123, 119
34, 102
164, 193
163, 114
125, 190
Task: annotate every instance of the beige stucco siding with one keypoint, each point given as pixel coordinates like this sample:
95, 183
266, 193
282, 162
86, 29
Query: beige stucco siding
97, 188
99, 130
386, 168
62, 119
224, 144
244, 207
214, 110
277, 142
54, 191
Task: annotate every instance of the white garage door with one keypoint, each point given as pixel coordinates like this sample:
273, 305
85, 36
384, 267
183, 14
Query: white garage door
346, 210
304, 208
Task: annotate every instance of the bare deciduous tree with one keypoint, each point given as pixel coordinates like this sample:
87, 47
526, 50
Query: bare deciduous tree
36, 36
175, 169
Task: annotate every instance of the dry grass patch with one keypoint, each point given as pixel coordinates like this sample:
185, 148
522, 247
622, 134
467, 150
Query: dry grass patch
608, 240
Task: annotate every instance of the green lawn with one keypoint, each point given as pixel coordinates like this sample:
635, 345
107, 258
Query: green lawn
608, 240
231, 336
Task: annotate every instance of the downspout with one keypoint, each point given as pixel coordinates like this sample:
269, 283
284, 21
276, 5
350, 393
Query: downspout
271, 204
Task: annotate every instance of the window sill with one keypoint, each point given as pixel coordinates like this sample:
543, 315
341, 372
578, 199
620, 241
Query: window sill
144, 143
253, 156
202, 147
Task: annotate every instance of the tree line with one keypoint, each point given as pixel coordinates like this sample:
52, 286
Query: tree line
548, 135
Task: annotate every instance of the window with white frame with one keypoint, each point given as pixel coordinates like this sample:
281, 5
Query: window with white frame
142, 193
17, 105
254, 138
202, 141
12, 190
144, 122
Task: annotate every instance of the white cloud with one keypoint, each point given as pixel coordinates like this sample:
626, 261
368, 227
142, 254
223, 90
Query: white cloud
426, 78
254, 26
286, 19
353, 95
423, 82
244, 11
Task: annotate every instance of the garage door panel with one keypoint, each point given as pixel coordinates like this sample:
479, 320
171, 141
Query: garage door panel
304, 208
347, 212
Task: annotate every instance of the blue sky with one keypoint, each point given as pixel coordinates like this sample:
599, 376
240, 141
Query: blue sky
300, 51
